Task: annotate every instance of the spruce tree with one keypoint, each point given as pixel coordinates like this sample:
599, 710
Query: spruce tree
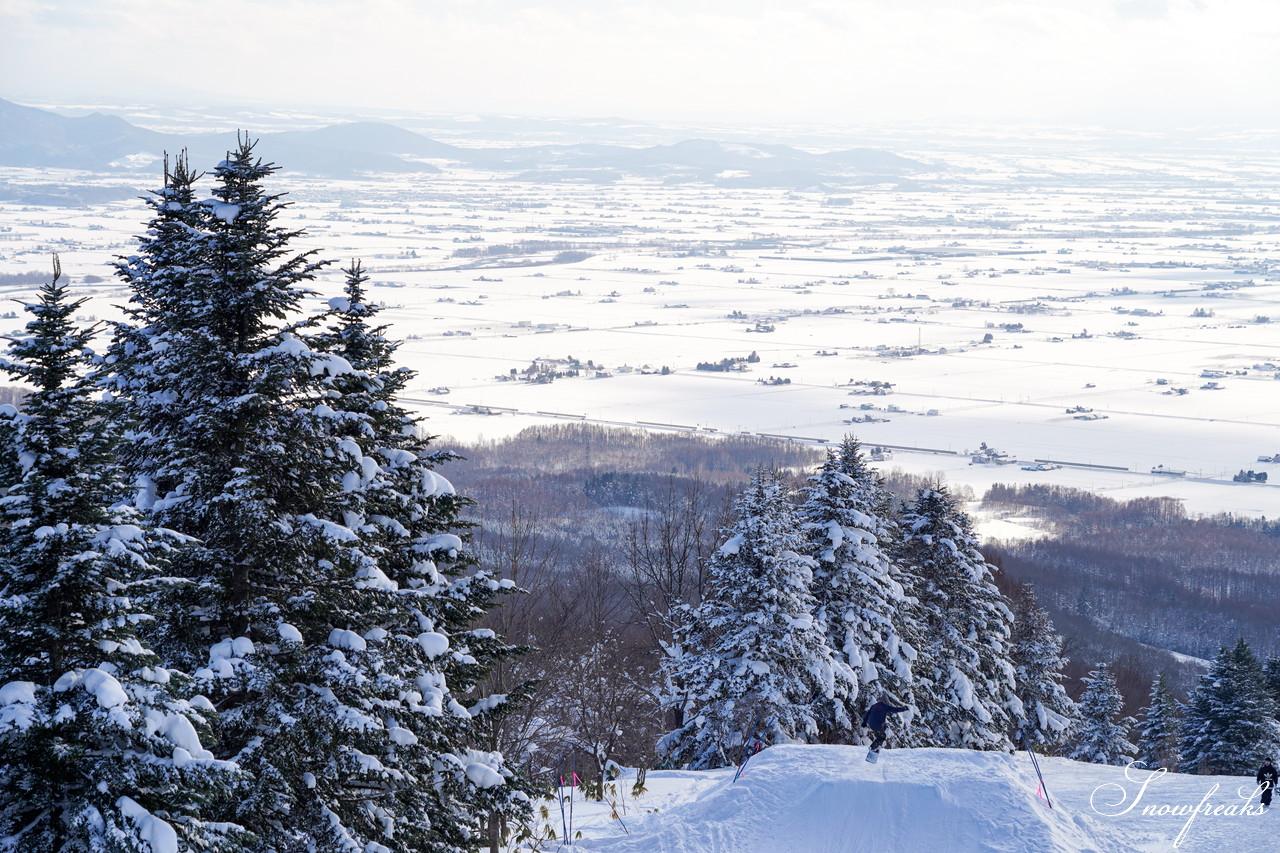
1036, 652
965, 679
328, 650
859, 595
100, 742
1229, 724
1271, 674
1100, 736
1160, 728
415, 579
753, 658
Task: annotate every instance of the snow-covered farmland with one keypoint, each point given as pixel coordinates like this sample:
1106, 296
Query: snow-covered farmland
1058, 313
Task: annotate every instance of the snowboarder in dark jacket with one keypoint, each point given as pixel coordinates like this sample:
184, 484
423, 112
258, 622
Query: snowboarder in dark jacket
876, 717
1267, 778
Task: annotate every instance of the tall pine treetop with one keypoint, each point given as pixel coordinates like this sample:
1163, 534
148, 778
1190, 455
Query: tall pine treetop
60, 424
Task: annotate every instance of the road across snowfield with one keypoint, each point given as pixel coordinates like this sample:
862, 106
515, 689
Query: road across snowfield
824, 799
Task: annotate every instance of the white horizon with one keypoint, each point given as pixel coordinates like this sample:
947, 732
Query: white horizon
1130, 64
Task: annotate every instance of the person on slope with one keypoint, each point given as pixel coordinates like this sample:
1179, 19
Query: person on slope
1267, 778
876, 717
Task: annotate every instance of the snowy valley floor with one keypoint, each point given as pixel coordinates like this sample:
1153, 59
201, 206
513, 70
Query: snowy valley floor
823, 799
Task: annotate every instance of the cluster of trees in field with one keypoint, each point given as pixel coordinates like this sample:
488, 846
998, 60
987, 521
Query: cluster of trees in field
818, 603
238, 611
578, 450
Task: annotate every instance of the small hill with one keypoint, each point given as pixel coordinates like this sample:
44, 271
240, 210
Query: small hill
372, 137
39, 138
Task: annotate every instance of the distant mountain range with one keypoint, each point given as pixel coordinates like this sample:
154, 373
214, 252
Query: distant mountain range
39, 138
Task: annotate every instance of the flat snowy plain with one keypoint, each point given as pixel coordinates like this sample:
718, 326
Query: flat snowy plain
827, 799
1128, 297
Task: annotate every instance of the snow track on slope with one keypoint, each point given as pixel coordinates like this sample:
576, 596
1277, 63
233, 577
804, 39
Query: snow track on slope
827, 799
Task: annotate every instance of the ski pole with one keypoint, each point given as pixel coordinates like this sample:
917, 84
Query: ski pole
743, 765
564, 826
746, 739
573, 774
1036, 764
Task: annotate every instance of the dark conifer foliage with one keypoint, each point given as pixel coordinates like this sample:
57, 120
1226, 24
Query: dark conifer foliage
859, 590
1100, 735
415, 581
100, 741
1160, 728
1229, 723
1036, 653
1271, 674
216, 391
329, 600
753, 659
965, 677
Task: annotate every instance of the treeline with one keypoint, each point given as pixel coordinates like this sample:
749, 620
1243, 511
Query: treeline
1087, 511
17, 279
1125, 580
560, 448
525, 247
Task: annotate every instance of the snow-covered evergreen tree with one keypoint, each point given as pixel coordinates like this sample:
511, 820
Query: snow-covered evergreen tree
1271, 674
860, 598
416, 578
327, 605
752, 655
1100, 736
100, 742
1036, 653
1228, 724
1159, 728
965, 679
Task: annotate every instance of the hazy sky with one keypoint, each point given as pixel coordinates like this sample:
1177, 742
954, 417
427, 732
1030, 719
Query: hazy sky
1119, 62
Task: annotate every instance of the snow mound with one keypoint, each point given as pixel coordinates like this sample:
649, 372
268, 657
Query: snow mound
157, 833
824, 799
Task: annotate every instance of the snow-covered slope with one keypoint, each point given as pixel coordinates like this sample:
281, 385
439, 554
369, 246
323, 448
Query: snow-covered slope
822, 799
